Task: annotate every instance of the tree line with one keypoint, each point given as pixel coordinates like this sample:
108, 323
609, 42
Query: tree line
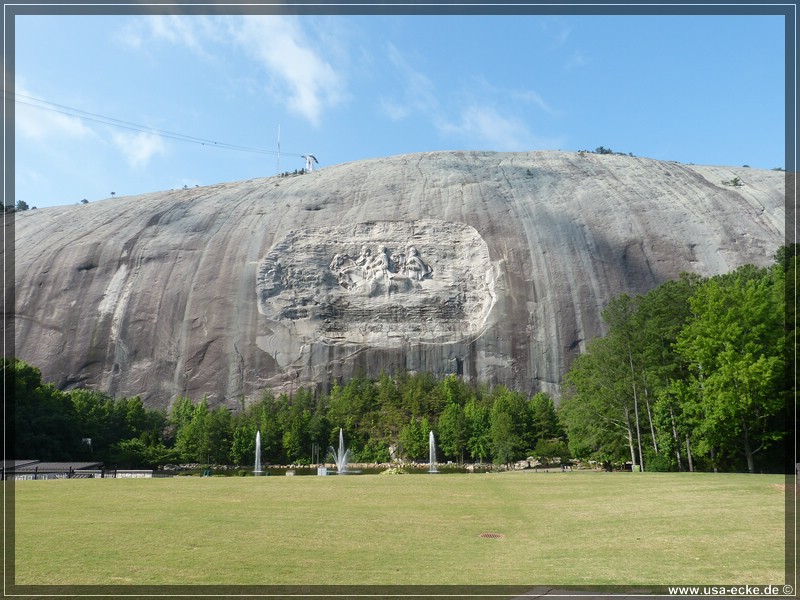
694, 375
384, 418
697, 374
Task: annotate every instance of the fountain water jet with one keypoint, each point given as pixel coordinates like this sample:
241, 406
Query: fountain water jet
341, 455
257, 468
431, 454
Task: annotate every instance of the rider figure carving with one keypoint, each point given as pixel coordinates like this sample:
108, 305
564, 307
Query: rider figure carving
415, 267
380, 264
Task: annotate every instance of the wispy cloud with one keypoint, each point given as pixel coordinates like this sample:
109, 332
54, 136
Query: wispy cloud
292, 57
531, 97
501, 94
578, 60
558, 34
193, 32
489, 127
486, 127
138, 148
486, 117
130, 35
395, 111
556, 31
300, 76
177, 29
39, 123
415, 92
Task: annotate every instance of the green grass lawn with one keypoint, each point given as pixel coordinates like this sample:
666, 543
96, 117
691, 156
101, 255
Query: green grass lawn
557, 529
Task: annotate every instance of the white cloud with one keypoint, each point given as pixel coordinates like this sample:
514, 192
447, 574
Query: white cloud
486, 125
301, 78
299, 74
40, 122
138, 148
182, 30
191, 31
486, 116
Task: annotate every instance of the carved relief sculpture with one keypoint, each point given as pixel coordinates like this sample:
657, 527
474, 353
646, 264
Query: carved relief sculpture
367, 272
383, 284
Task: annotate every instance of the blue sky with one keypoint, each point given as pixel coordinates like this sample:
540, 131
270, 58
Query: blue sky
694, 89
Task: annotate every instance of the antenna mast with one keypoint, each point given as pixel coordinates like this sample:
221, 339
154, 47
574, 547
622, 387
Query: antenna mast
278, 159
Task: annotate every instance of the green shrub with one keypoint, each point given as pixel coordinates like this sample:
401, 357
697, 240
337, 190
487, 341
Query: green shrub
660, 462
394, 471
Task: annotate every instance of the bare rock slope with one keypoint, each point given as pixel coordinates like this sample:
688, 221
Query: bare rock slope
495, 266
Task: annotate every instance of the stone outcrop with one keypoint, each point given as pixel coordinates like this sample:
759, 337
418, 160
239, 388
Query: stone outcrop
495, 266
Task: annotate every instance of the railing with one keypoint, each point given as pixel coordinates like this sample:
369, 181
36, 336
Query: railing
36, 473
117, 473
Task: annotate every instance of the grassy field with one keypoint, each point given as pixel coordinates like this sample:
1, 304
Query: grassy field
556, 529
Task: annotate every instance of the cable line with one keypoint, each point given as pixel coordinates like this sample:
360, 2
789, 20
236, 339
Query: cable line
97, 118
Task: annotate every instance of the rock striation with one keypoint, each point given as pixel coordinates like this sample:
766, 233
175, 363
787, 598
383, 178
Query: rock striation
494, 266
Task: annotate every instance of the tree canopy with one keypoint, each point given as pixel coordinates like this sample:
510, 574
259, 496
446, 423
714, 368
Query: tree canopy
691, 375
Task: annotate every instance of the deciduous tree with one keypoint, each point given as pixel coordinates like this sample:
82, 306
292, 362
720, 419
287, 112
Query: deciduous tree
734, 346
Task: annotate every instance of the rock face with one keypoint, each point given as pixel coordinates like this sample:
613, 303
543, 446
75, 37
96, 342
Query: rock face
493, 266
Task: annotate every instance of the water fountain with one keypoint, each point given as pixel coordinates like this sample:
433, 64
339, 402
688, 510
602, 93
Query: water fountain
257, 468
431, 454
341, 455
